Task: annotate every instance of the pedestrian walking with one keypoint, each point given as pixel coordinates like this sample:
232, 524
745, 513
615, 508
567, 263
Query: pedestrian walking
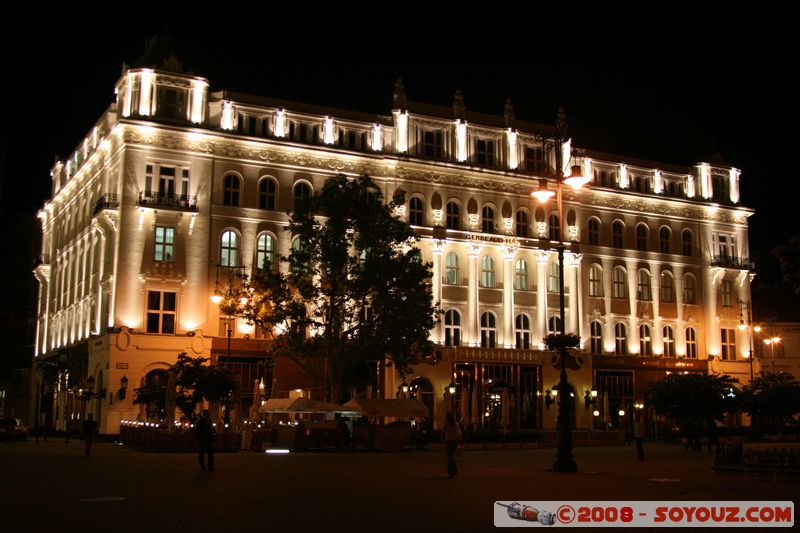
205, 440
639, 433
452, 436
89, 430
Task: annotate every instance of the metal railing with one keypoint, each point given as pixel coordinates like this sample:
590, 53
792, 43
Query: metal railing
107, 201
172, 201
728, 261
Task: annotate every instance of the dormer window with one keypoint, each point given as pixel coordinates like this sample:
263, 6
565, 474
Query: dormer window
171, 102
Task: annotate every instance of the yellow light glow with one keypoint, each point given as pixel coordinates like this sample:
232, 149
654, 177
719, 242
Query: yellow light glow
216, 298
621, 412
280, 123
595, 413
461, 141
757, 329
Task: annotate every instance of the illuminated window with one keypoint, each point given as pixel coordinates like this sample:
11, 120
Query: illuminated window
727, 293
621, 338
554, 231
521, 275
487, 219
415, 217
619, 283
451, 275
432, 144
691, 343
669, 342
484, 152
164, 241
686, 242
161, 312
641, 238
728, 338
230, 190
453, 216
488, 331
594, 232
596, 336
645, 344
643, 292
688, 289
452, 328
265, 252
229, 249
487, 271
595, 281
664, 237
266, 194
553, 278
523, 332
667, 287
618, 234
522, 224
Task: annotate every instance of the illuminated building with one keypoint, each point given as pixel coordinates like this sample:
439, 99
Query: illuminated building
174, 180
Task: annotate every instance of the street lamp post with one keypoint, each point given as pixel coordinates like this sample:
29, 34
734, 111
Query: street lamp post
746, 324
565, 461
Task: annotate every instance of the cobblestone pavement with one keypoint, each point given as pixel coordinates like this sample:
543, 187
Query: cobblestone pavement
51, 486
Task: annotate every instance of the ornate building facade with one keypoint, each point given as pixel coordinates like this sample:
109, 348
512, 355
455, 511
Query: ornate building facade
178, 188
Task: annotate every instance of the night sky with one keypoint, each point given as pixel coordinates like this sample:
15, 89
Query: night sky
659, 94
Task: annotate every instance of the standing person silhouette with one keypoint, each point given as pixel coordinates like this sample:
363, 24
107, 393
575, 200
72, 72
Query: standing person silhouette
205, 440
452, 436
89, 430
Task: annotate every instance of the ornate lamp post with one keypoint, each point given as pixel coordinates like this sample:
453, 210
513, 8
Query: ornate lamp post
746, 324
565, 461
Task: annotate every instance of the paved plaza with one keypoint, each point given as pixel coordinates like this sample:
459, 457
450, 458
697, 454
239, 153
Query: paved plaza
51, 486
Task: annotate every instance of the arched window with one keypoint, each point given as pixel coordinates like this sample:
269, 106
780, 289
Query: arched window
554, 231
667, 287
618, 234
686, 242
594, 232
643, 286
488, 330
522, 224
451, 274
595, 280
523, 332
229, 249
487, 222
265, 252
487, 271
266, 194
554, 325
596, 336
415, 214
669, 342
230, 189
688, 289
553, 279
691, 343
453, 220
641, 237
302, 191
645, 344
664, 238
619, 283
621, 338
452, 328
521, 275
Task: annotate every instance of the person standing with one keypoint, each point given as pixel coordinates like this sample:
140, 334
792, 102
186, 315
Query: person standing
452, 437
89, 429
639, 433
205, 440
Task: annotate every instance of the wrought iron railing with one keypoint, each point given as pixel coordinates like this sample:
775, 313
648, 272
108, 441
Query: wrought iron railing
728, 261
172, 201
107, 201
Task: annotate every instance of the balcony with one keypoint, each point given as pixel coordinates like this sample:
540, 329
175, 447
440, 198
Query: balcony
729, 261
181, 202
107, 201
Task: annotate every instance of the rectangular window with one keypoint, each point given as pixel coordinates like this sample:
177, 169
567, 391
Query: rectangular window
166, 181
148, 179
727, 292
534, 159
164, 242
484, 152
432, 144
185, 182
728, 337
161, 312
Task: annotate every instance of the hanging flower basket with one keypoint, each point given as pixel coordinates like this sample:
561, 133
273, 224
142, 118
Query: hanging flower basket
557, 341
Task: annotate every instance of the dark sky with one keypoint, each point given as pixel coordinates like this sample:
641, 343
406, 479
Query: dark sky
656, 93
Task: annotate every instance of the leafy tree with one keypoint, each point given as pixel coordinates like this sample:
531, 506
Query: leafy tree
356, 290
772, 399
789, 258
694, 397
153, 395
195, 381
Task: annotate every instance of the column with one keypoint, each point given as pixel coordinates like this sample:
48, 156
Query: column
540, 324
633, 326
437, 246
571, 280
711, 278
471, 324
508, 296
657, 335
608, 323
680, 326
